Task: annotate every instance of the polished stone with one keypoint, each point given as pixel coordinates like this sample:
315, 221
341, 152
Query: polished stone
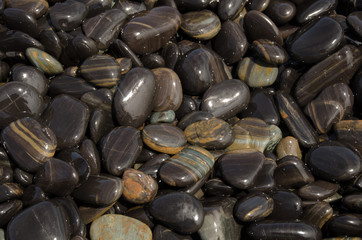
202, 25
43, 61
253, 207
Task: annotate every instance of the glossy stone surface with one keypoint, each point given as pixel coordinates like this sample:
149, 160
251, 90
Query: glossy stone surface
101, 71
18, 19
162, 233
350, 131
331, 105
31, 76
169, 90
18, 100
120, 149
188, 213
310, 10
250, 133
269, 52
121, 49
219, 222
239, 168
345, 224
264, 181
262, 106
104, 27
89, 151
36, 7
287, 206
280, 11
288, 146
29, 143
146, 34
230, 43
355, 21
226, 99
99, 190
9, 209
283, 230
164, 138
56, 177
210, 134
292, 173
43, 220
33, 194
9, 191
187, 167
152, 166
253, 207
153, 60
229, 9
69, 128
296, 122
257, 25
353, 202
18, 41
72, 86
112, 226
192, 117
68, 15
23, 177
138, 87
317, 214
338, 67
346, 163
199, 69
318, 190
139, 188
202, 25
256, 73
315, 41
43, 61
51, 42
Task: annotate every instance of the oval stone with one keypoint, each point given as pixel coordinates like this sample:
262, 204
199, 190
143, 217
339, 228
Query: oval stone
18, 19
210, 134
346, 163
169, 90
269, 51
318, 190
138, 187
240, 168
43, 220
256, 73
72, 86
56, 177
45, 62
187, 212
29, 143
164, 138
36, 7
309, 10
202, 25
134, 97
187, 167
120, 149
315, 41
226, 99
114, 226
229, 9
19, 100
68, 118
148, 33
253, 207
257, 25
281, 11
31, 76
99, 190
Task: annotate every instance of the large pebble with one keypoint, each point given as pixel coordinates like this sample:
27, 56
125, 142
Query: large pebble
202, 25
45, 62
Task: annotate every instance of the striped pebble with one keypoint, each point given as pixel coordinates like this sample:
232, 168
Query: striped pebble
45, 62
101, 71
186, 167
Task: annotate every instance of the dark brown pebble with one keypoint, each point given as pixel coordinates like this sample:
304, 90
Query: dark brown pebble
36, 7
33, 194
8, 210
309, 9
281, 11
229, 9
287, 206
317, 214
318, 190
346, 224
90, 152
269, 51
18, 19
31, 76
72, 86
253, 207
24, 178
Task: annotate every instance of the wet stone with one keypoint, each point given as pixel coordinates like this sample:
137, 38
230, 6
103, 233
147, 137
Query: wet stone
269, 230
120, 149
256, 73
169, 90
112, 226
101, 71
43, 220
253, 207
251, 133
318, 190
43, 61
210, 134
99, 190
56, 177
269, 52
148, 33
31, 76
164, 138
280, 11
287, 206
230, 43
226, 99
186, 167
8, 210
239, 168
163, 117
136, 88
72, 86
188, 214
29, 143
69, 128
317, 214
353, 202
219, 222
68, 15
202, 25
346, 163
309, 10
18, 19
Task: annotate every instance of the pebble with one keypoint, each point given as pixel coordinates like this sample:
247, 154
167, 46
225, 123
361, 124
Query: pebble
318, 190
31, 76
318, 214
269, 52
253, 207
281, 11
43, 61
163, 117
288, 146
309, 10
201, 25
